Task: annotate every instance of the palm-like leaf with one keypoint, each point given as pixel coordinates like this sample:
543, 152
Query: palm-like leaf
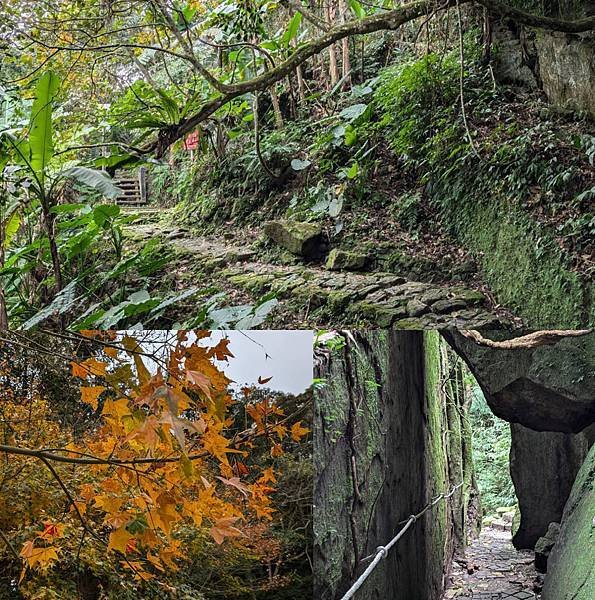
94, 179
41, 144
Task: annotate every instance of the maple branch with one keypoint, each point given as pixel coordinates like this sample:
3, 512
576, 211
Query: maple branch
69, 496
9, 545
88, 459
531, 340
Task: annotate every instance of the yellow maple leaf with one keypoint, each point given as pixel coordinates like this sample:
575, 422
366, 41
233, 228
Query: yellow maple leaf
298, 432
109, 504
116, 408
91, 393
216, 444
119, 540
268, 475
110, 351
277, 450
38, 556
95, 367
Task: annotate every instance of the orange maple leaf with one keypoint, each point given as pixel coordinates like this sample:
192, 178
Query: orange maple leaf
91, 393
298, 432
119, 540
78, 370
224, 528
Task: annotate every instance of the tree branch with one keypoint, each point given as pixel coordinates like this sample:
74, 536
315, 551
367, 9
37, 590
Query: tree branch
531, 340
389, 20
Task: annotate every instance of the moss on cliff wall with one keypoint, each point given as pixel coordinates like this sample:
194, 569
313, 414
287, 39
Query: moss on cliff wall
571, 566
381, 454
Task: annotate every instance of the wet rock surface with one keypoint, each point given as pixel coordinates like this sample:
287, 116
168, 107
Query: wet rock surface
571, 564
543, 466
492, 569
544, 545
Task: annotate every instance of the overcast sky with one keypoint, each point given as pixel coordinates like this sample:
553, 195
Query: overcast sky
286, 356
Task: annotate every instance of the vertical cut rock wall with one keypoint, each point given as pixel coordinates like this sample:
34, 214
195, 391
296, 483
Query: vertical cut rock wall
381, 449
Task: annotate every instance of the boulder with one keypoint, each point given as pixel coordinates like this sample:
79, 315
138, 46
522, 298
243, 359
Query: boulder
301, 239
571, 564
343, 260
543, 466
545, 388
416, 308
544, 546
448, 305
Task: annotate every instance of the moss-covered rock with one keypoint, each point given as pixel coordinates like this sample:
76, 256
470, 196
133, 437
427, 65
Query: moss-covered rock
381, 411
571, 565
545, 388
344, 260
301, 239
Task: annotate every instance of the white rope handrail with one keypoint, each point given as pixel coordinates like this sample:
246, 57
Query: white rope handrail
382, 551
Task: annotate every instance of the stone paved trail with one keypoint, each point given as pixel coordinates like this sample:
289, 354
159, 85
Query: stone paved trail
492, 569
380, 299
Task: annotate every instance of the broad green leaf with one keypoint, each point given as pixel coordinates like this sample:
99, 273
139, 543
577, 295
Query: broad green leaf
41, 132
335, 206
97, 180
67, 208
300, 165
62, 303
173, 299
351, 113
258, 314
104, 212
357, 8
168, 106
11, 227
352, 171
292, 29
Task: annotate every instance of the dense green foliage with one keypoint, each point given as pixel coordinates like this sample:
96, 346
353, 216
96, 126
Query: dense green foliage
491, 449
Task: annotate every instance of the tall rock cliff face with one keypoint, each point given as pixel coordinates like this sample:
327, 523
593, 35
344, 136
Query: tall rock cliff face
389, 436
571, 566
543, 466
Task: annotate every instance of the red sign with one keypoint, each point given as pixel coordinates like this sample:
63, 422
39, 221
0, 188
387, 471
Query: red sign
192, 141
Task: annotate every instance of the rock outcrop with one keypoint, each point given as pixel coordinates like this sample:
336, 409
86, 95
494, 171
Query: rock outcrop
567, 70
345, 260
543, 466
571, 565
544, 545
561, 64
547, 388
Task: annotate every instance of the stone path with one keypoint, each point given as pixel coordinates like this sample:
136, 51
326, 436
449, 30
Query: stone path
492, 569
379, 299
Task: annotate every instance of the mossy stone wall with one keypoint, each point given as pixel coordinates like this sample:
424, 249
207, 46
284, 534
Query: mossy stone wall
571, 566
383, 438
520, 260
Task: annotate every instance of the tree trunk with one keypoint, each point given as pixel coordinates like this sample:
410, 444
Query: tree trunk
345, 60
332, 51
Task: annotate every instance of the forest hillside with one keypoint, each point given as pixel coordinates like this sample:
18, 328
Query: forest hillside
250, 162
